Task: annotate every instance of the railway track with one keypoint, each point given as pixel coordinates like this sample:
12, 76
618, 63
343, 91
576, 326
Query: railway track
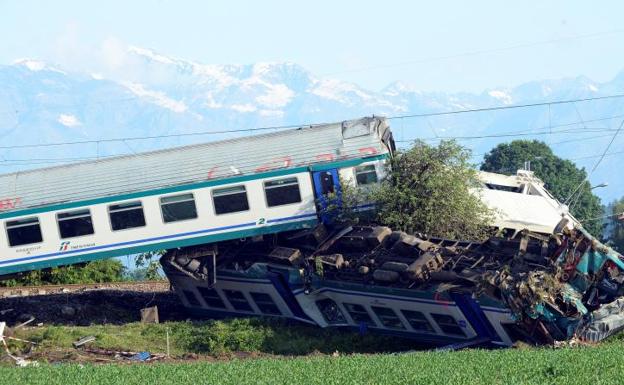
140, 286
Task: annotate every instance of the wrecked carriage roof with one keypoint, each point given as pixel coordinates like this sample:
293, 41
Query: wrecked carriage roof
193, 163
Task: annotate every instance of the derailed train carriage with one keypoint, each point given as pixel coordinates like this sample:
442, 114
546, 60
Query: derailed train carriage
247, 233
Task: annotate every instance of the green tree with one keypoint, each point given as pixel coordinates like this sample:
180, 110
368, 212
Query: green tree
108, 270
561, 177
429, 191
615, 225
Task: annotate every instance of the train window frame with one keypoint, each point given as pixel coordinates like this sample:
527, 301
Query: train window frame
378, 310
295, 183
162, 213
261, 305
7, 228
347, 306
110, 218
445, 325
75, 212
209, 300
224, 191
188, 294
365, 169
231, 294
421, 319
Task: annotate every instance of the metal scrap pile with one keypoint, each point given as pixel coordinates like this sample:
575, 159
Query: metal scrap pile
563, 286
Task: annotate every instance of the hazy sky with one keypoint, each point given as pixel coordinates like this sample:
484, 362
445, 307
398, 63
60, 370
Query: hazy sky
432, 45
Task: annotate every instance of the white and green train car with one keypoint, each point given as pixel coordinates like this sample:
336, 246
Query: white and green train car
184, 196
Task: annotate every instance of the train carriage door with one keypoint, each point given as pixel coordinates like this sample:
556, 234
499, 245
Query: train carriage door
328, 193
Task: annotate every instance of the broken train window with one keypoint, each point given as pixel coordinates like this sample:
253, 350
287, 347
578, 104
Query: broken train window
448, 324
265, 303
417, 321
24, 231
388, 317
330, 311
365, 175
359, 314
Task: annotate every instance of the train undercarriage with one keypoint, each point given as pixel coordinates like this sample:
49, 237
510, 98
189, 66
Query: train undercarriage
534, 288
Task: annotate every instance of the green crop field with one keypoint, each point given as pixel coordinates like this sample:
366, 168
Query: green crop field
282, 353
596, 365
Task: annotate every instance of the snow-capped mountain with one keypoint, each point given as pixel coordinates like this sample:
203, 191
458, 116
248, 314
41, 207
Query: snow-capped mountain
150, 94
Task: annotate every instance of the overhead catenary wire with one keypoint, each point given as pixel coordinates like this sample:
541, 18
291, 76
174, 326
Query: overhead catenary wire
291, 126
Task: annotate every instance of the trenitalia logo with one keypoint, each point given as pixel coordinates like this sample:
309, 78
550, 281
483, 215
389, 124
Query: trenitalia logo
64, 246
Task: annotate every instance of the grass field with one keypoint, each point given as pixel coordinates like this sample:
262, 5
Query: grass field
597, 365
296, 354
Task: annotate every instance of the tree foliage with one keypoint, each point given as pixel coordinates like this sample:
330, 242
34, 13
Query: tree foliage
561, 177
429, 191
108, 270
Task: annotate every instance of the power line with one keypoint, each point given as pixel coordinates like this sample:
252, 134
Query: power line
200, 133
514, 106
478, 52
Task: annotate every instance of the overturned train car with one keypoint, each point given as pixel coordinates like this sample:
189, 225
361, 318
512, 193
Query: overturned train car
245, 227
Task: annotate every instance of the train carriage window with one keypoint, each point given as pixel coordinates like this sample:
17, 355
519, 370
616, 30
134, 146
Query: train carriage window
24, 231
126, 215
75, 223
191, 298
282, 192
178, 207
330, 311
448, 324
417, 321
237, 300
359, 314
365, 175
388, 317
230, 200
265, 303
211, 297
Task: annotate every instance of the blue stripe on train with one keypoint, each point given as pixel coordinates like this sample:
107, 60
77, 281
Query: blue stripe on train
128, 243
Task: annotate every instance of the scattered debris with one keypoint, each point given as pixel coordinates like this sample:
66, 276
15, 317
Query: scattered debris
83, 341
125, 355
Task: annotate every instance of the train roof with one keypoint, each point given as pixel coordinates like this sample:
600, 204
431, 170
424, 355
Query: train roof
176, 166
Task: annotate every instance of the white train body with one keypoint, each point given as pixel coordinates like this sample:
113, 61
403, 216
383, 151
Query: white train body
184, 196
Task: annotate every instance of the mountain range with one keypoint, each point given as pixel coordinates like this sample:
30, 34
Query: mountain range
158, 96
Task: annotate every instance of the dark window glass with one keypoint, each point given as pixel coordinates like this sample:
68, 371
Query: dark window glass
330, 311
265, 303
359, 314
191, 298
237, 300
211, 297
448, 324
24, 231
388, 317
178, 207
126, 215
282, 192
327, 183
365, 175
230, 199
417, 321
75, 223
